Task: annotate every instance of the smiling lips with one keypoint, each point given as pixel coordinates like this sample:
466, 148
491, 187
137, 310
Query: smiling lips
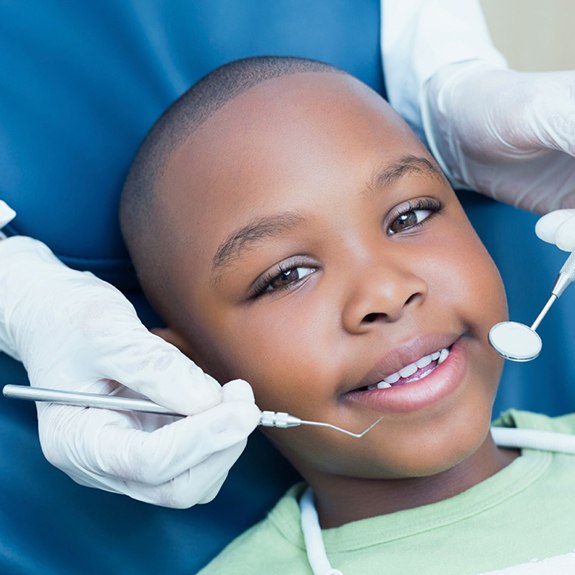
420, 384
414, 371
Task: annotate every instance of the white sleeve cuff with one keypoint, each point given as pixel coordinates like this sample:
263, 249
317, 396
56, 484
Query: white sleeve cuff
421, 36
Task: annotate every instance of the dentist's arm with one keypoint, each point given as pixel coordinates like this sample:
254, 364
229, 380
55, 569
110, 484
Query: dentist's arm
73, 331
504, 133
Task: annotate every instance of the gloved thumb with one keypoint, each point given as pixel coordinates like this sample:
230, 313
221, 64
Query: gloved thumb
558, 227
238, 390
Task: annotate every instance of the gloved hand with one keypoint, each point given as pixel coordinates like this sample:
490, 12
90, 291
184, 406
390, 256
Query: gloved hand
558, 228
510, 135
75, 332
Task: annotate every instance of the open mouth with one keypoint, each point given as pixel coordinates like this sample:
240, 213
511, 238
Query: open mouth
415, 371
418, 385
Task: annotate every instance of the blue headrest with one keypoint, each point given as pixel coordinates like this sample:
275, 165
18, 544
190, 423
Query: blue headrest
81, 83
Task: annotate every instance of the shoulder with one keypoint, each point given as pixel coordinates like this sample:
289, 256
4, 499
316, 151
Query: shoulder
529, 420
276, 540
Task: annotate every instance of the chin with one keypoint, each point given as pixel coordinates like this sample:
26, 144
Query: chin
444, 451
402, 451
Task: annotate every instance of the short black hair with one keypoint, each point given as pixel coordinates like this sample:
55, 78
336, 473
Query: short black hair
144, 228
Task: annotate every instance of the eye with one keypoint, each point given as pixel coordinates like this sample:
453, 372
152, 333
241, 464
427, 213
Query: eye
408, 220
289, 276
281, 278
412, 215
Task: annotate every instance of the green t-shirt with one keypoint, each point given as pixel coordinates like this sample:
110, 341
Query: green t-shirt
522, 515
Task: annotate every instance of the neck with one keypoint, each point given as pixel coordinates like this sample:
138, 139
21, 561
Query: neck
341, 500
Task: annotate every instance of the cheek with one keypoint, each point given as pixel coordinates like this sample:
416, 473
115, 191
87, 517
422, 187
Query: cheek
279, 351
486, 285
472, 287
469, 281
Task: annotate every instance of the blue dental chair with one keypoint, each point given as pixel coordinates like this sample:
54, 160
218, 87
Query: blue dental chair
80, 84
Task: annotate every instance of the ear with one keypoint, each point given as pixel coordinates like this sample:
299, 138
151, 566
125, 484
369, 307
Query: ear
173, 337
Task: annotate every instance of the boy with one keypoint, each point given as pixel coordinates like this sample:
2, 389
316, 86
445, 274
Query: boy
294, 233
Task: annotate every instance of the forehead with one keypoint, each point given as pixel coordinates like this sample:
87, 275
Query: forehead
274, 147
315, 115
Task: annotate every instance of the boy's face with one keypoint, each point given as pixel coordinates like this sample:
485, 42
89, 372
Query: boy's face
320, 250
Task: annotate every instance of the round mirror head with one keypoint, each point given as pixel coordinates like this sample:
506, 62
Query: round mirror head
515, 341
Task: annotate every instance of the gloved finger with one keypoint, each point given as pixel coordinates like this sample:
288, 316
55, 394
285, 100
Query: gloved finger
156, 457
115, 345
551, 109
7, 214
195, 486
558, 228
158, 370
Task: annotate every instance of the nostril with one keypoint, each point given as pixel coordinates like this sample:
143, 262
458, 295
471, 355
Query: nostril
411, 298
375, 316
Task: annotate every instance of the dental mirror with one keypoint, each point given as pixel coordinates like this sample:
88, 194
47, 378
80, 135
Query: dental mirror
515, 341
519, 342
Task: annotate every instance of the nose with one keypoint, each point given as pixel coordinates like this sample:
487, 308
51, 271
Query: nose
382, 292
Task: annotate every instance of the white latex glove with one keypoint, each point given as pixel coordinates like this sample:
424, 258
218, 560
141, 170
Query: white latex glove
75, 332
510, 135
558, 228
7, 214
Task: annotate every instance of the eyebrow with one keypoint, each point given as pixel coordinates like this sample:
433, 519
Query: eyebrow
254, 232
272, 226
406, 165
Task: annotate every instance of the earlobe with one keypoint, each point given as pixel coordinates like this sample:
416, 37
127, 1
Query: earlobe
173, 337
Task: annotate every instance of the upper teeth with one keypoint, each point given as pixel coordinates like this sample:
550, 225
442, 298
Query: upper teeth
410, 369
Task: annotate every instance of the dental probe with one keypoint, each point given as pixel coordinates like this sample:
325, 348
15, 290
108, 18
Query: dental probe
519, 342
267, 419
565, 277
284, 420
